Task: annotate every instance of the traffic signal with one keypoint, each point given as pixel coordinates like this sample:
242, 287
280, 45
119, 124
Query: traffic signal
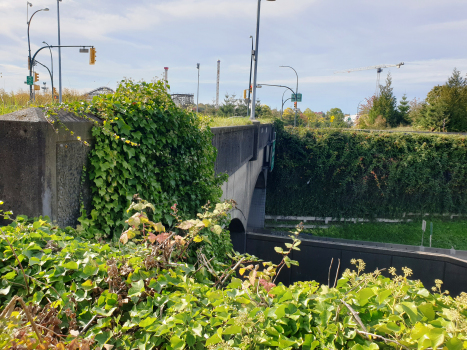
295, 104
55, 92
36, 77
92, 56
251, 88
244, 94
29, 64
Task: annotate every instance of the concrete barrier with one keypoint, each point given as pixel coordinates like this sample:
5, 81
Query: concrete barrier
315, 258
41, 168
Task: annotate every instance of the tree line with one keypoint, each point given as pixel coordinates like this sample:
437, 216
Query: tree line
443, 109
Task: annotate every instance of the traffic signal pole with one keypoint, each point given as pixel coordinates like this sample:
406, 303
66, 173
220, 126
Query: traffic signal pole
33, 59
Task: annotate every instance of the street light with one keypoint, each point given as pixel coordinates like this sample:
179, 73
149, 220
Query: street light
249, 83
197, 94
59, 56
29, 45
255, 54
296, 93
52, 70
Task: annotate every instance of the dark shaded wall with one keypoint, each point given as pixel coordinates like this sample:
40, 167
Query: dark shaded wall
41, 168
315, 258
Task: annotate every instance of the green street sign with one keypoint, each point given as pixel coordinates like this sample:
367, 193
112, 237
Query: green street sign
299, 97
29, 80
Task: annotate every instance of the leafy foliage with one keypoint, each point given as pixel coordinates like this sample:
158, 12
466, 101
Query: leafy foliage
147, 145
359, 174
87, 295
445, 106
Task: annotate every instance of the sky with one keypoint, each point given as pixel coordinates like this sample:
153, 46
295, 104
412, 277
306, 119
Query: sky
137, 39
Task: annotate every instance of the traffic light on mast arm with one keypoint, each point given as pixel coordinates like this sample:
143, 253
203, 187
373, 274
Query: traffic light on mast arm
92, 56
36, 77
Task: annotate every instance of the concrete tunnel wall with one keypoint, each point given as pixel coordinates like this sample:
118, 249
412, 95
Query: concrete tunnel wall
40, 169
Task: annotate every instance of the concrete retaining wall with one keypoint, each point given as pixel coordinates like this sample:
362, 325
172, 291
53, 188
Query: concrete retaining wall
315, 258
41, 169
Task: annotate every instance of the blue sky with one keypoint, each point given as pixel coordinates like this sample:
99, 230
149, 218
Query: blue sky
139, 38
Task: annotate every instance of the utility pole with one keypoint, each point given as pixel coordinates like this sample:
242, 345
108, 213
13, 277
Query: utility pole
59, 55
218, 79
197, 94
249, 84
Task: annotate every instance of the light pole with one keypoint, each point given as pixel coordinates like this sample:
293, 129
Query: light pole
249, 83
296, 93
52, 70
29, 46
260, 85
255, 53
59, 56
197, 95
282, 108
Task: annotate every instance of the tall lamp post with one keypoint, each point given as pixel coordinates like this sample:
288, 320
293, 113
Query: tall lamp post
255, 54
296, 93
29, 46
197, 95
59, 56
249, 83
51, 70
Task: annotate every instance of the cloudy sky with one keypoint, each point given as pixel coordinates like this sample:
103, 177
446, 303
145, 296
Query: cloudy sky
138, 38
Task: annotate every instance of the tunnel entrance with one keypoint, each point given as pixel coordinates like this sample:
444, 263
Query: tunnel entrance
238, 235
257, 212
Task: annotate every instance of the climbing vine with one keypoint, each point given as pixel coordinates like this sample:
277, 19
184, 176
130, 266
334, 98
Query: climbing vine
353, 174
145, 144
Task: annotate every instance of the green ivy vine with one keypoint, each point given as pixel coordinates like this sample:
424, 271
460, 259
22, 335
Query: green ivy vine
145, 145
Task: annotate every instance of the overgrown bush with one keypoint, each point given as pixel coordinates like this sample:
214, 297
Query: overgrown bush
147, 145
363, 174
139, 295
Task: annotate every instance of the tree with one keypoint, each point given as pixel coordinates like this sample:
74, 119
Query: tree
445, 106
404, 110
228, 108
288, 116
384, 105
339, 118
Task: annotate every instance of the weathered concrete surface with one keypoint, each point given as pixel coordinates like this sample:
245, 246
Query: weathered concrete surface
40, 169
315, 258
244, 154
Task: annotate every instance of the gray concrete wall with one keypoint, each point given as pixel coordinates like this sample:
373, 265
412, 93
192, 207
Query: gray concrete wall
315, 258
40, 167
242, 155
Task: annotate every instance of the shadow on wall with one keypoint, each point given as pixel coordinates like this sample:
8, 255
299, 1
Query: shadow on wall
238, 235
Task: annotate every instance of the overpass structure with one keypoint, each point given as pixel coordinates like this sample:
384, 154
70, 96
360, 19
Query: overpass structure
41, 170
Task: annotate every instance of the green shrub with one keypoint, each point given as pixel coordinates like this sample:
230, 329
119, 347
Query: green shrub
147, 145
364, 174
140, 296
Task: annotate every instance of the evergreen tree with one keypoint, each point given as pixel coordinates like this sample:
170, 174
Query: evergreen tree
404, 110
446, 105
384, 105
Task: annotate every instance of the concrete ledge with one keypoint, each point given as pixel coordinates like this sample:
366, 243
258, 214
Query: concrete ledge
315, 258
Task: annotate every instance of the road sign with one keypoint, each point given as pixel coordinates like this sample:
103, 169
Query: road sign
299, 98
30, 80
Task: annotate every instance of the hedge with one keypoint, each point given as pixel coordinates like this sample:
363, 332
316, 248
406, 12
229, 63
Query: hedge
345, 173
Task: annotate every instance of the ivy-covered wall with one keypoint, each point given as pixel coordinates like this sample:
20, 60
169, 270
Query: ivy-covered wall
343, 173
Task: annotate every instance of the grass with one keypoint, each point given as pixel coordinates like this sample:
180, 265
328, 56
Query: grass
446, 233
14, 101
222, 121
